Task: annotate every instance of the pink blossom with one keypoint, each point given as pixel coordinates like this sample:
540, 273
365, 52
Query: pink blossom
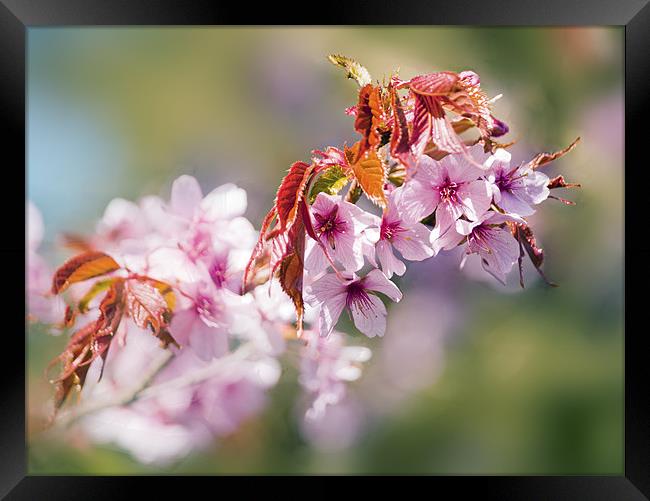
410, 238
341, 227
516, 188
488, 237
41, 305
368, 311
326, 365
452, 187
203, 324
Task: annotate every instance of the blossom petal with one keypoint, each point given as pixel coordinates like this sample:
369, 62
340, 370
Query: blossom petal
370, 318
447, 239
225, 202
417, 200
512, 204
413, 244
476, 197
389, 263
186, 196
330, 311
504, 253
377, 281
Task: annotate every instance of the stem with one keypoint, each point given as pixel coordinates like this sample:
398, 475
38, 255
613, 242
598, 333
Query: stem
142, 390
121, 398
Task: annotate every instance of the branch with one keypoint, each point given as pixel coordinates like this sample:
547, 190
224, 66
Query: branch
142, 390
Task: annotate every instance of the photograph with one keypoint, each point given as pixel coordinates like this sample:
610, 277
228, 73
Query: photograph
325, 250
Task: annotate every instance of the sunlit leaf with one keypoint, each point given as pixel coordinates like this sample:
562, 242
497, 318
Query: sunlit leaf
82, 267
354, 70
290, 193
370, 174
97, 287
434, 84
369, 118
330, 181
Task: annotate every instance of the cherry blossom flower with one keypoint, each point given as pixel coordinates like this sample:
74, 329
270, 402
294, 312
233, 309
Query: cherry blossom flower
452, 187
42, 306
516, 188
356, 294
410, 238
326, 365
203, 324
340, 226
488, 237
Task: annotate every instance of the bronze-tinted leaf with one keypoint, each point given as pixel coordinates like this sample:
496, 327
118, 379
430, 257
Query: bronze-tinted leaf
290, 193
88, 343
434, 84
527, 241
97, 287
369, 118
292, 268
559, 182
82, 267
399, 139
544, 158
371, 176
145, 305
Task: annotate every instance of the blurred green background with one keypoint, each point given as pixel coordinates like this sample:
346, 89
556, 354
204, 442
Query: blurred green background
517, 382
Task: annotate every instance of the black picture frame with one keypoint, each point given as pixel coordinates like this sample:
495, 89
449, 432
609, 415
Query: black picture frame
18, 15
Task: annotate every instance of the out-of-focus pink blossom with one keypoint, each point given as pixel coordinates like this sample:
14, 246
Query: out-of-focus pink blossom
326, 366
41, 305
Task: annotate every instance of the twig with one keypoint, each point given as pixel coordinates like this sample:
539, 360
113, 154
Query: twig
122, 398
142, 389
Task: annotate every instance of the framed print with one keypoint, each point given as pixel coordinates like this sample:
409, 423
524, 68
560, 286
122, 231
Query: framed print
397, 243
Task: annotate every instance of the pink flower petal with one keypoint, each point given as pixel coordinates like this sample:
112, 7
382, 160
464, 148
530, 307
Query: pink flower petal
377, 281
186, 196
370, 319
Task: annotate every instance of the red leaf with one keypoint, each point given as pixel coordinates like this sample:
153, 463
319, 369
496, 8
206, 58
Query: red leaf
292, 269
148, 308
544, 158
88, 343
421, 132
442, 132
284, 212
559, 182
291, 192
434, 84
82, 267
369, 118
399, 139
527, 241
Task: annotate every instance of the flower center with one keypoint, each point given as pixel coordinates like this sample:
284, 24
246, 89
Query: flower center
506, 180
330, 226
208, 309
448, 191
358, 296
389, 229
218, 271
478, 240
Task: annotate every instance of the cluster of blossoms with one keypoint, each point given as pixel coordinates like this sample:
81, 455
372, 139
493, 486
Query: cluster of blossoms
220, 297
